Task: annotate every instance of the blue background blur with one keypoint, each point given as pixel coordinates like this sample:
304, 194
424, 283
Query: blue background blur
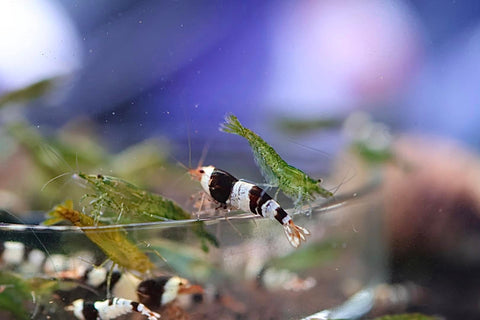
142, 68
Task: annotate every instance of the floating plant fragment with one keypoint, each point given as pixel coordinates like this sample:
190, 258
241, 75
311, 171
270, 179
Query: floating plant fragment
28, 93
14, 292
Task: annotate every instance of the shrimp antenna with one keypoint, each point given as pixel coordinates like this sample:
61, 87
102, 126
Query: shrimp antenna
76, 162
189, 142
183, 166
324, 153
344, 180
204, 154
350, 166
176, 181
54, 178
55, 156
34, 234
188, 121
180, 163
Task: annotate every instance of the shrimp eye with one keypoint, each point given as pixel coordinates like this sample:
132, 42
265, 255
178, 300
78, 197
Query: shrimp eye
201, 171
319, 180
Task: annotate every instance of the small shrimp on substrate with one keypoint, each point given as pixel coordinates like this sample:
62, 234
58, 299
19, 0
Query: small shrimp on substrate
293, 182
229, 191
160, 291
109, 309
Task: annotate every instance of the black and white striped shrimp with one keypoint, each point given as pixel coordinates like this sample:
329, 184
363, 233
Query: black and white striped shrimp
160, 291
228, 190
109, 309
153, 292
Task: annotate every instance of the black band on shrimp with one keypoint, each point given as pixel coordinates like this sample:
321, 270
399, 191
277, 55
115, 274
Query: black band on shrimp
220, 185
226, 189
109, 309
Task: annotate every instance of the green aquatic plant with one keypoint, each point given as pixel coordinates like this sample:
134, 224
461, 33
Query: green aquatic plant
28, 93
18, 294
302, 126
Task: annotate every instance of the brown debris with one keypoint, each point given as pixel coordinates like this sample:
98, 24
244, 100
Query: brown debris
433, 203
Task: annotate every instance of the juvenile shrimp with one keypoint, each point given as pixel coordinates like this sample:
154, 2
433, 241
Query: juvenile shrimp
229, 191
151, 294
109, 309
293, 182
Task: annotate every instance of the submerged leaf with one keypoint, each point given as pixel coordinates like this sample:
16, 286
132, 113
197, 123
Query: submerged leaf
28, 93
113, 242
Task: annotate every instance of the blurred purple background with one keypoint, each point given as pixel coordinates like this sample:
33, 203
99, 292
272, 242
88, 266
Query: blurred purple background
142, 68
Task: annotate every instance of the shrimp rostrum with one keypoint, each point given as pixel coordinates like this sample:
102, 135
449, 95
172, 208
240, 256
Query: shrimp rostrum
227, 190
293, 182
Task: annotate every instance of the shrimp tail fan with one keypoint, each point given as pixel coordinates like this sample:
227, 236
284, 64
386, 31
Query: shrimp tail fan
232, 125
295, 234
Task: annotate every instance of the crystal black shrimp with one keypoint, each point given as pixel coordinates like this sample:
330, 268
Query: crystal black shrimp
228, 190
